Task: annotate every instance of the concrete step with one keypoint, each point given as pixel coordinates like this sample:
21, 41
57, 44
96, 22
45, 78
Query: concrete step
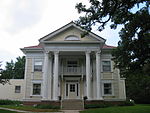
72, 104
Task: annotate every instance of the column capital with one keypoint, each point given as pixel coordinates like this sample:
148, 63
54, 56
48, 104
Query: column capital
87, 52
98, 52
56, 52
46, 52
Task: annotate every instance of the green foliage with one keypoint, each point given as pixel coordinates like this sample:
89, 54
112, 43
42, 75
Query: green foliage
109, 104
127, 103
19, 68
2, 80
102, 105
14, 70
46, 106
132, 56
101, 12
138, 88
10, 102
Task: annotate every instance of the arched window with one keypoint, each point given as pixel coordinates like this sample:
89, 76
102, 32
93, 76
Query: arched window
72, 37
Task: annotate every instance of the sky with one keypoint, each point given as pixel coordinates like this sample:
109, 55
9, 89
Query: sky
23, 22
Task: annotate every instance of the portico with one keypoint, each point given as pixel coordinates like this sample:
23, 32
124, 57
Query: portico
77, 66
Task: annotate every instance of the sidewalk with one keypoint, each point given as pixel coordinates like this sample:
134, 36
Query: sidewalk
70, 111
63, 111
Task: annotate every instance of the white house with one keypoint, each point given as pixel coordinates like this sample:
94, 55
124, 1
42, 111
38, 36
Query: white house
71, 67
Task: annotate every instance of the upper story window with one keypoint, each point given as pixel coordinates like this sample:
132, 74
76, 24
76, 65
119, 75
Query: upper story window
17, 89
72, 38
38, 65
72, 64
106, 66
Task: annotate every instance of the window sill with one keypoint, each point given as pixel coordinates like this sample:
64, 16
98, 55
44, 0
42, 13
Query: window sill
105, 95
35, 95
106, 72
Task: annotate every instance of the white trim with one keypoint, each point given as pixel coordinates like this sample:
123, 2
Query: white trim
36, 82
33, 62
67, 97
111, 67
112, 87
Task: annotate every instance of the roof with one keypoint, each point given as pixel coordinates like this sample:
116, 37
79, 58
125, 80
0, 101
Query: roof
36, 46
39, 46
71, 24
108, 47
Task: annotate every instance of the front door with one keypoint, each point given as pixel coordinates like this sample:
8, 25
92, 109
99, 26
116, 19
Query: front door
72, 90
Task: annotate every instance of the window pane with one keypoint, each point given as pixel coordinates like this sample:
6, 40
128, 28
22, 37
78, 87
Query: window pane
36, 89
17, 89
38, 66
38, 63
107, 88
72, 63
106, 66
72, 87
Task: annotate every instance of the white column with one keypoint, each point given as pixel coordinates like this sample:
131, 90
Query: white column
98, 76
88, 75
50, 77
55, 78
45, 75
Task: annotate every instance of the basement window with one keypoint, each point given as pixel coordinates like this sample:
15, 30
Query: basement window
17, 89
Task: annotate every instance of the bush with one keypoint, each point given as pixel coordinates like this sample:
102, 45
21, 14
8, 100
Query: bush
102, 105
127, 103
109, 104
10, 102
46, 106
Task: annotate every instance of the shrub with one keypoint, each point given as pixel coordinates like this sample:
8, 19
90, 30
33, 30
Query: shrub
46, 106
127, 103
10, 102
102, 105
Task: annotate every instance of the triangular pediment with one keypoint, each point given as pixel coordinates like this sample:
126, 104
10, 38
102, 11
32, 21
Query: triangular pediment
71, 32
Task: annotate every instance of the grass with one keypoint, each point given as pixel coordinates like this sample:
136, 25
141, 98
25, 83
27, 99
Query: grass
28, 108
6, 111
125, 109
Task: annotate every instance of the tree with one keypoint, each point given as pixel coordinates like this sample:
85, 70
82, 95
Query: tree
132, 56
2, 80
14, 70
19, 68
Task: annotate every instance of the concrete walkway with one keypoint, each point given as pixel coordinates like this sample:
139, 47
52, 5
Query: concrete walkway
70, 111
63, 111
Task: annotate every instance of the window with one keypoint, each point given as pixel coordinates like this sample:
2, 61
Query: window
72, 64
17, 89
106, 65
37, 65
72, 37
107, 89
37, 89
72, 87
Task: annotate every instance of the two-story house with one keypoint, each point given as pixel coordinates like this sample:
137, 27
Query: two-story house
65, 65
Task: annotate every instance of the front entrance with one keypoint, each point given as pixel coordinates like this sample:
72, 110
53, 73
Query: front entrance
72, 90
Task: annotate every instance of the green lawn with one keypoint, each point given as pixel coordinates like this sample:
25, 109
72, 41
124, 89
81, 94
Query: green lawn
5, 111
123, 109
27, 108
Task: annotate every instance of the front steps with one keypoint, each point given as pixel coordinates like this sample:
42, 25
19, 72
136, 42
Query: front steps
72, 104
